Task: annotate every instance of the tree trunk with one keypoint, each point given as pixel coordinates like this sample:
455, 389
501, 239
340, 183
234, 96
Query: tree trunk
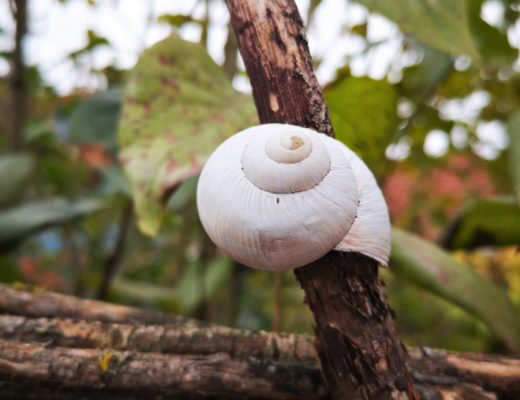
361, 356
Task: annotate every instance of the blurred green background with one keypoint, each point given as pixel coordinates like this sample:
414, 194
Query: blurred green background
99, 174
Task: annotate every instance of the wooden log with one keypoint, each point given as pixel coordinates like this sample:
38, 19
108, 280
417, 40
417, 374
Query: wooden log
165, 339
35, 302
498, 374
156, 374
361, 355
437, 374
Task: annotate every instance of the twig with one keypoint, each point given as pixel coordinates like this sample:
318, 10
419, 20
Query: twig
113, 260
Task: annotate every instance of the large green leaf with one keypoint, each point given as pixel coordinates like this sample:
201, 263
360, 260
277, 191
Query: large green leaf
15, 170
178, 107
429, 267
95, 119
363, 114
513, 130
493, 222
18, 223
442, 24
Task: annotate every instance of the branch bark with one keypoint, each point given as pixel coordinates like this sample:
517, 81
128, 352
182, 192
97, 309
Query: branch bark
361, 355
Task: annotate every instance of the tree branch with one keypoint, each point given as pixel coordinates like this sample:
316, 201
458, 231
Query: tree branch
361, 355
17, 76
111, 263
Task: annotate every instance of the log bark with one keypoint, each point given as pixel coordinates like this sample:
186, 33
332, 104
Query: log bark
165, 339
32, 343
361, 355
157, 374
87, 373
35, 302
498, 374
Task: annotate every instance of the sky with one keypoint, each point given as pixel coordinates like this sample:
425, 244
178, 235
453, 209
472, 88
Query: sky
56, 29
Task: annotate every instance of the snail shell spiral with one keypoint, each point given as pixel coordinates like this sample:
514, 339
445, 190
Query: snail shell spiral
279, 196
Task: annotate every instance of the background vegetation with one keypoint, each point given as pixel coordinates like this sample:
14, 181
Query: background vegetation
98, 186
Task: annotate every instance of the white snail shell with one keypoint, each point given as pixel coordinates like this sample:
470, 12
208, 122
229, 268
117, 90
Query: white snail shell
277, 197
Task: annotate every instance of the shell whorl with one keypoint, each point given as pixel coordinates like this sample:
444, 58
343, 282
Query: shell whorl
286, 160
280, 196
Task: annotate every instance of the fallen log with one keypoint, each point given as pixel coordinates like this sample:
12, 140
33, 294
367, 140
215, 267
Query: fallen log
67, 356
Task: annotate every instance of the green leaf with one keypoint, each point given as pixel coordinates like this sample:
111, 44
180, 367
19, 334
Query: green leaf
492, 44
16, 171
429, 267
178, 107
442, 24
185, 196
513, 130
421, 80
18, 223
363, 114
198, 284
494, 222
115, 181
177, 20
95, 119
93, 41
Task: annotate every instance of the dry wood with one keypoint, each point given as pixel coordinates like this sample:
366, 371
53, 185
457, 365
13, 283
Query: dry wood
164, 339
38, 303
498, 374
437, 374
157, 374
72, 373
361, 355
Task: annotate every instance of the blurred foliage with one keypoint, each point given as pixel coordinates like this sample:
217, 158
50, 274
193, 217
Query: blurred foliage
19, 222
514, 150
429, 267
178, 107
95, 119
16, 170
493, 222
365, 118
63, 199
